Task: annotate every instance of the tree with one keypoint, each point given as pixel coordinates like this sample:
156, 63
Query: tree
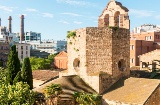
2, 73
16, 94
40, 63
18, 78
27, 72
83, 98
52, 92
1, 63
13, 64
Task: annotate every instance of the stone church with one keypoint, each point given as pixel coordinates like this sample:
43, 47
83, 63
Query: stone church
101, 57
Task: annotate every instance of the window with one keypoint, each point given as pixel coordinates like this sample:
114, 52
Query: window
131, 60
21, 47
131, 47
26, 47
76, 64
150, 37
146, 37
26, 52
21, 52
21, 56
27, 37
121, 65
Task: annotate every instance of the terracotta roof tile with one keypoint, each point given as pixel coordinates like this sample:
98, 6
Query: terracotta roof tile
44, 75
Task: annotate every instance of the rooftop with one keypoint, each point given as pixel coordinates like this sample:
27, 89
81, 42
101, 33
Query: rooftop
132, 90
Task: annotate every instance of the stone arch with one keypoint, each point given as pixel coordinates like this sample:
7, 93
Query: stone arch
106, 20
121, 64
76, 64
144, 65
117, 19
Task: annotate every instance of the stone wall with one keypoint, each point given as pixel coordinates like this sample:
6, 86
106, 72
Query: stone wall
105, 47
96, 52
120, 52
115, 14
154, 99
149, 58
76, 50
99, 50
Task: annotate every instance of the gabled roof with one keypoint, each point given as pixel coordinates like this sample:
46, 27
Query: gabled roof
62, 54
44, 75
69, 84
119, 4
132, 91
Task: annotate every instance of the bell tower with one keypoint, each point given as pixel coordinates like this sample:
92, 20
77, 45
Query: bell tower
101, 55
115, 14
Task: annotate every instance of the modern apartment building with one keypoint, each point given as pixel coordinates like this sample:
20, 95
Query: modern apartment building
30, 36
49, 46
144, 39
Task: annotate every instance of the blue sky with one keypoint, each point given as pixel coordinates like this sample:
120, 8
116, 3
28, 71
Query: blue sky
53, 18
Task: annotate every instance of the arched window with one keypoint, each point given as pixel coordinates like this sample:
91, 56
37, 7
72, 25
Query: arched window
106, 20
121, 65
117, 19
76, 63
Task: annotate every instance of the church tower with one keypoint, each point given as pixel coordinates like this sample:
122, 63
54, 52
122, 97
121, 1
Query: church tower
100, 55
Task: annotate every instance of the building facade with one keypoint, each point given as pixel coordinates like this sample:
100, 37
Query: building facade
142, 42
4, 52
49, 46
30, 36
23, 50
150, 60
60, 60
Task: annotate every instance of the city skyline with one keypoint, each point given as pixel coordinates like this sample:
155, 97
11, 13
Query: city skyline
54, 18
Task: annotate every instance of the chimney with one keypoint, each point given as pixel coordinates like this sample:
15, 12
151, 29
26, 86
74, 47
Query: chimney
22, 28
10, 24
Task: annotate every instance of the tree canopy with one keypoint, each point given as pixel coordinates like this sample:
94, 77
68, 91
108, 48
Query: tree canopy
26, 73
13, 64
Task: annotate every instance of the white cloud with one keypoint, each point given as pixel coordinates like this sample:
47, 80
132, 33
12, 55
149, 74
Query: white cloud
64, 22
71, 14
31, 10
76, 22
7, 9
47, 15
141, 13
75, 2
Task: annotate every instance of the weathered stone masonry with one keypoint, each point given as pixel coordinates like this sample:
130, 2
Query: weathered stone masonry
100, 55
99, 50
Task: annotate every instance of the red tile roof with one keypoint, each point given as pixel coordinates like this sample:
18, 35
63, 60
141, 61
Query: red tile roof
44, 75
